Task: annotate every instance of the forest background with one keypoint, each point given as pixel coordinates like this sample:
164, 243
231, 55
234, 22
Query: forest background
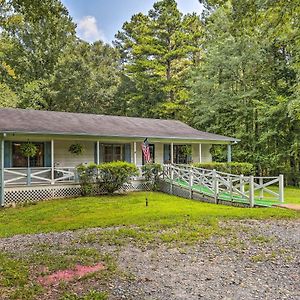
233, 70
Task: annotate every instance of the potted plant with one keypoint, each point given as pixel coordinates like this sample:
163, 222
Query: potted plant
76, 149
28, 150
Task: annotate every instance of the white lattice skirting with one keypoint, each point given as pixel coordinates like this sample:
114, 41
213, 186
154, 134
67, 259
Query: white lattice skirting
21, 195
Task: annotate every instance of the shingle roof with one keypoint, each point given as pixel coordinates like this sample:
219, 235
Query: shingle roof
49, 122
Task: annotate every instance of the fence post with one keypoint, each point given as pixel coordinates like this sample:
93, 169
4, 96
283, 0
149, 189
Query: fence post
251, 191
28, 176
242, 184
281, 188
230, 189
261, 192
215, 186
171, 180
191, 182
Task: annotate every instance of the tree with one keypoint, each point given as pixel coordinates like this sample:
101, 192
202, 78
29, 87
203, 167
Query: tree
85, 79
247, 83
157, 50
38, 32
7, 97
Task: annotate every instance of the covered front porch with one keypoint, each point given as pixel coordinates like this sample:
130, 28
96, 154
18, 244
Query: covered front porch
54, 164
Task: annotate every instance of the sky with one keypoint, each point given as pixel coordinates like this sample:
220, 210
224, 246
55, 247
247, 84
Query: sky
101, 19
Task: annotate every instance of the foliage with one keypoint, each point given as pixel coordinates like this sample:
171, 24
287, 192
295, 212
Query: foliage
113, 175
7, 97
247, 83
87, 175
110, 177
157, 50
76, 149
151, 172
232, 167
28, 149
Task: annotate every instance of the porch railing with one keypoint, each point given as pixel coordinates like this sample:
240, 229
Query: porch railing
29, 176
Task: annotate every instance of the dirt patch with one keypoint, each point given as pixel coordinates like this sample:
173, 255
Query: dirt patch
69, 274
290, 206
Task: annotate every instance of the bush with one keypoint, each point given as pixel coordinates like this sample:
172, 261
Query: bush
87, 175
113, 175
151, 172
233, 167
109, 176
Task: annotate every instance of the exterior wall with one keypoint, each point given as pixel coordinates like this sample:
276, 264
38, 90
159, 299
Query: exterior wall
63, 158
205, 153
159, 153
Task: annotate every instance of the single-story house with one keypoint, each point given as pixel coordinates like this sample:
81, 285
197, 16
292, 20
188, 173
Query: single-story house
103, 138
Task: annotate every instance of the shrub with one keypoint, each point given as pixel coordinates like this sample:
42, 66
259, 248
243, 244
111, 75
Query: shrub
87, 175
113, 175
151, 172
233, 167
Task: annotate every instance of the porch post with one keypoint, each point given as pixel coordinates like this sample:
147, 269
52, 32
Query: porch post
2, 173
52, 161
172, 153
200, 153
98, 153
134, 153
229, 153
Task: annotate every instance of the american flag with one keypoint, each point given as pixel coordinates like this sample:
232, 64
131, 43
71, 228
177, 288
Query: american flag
146, 151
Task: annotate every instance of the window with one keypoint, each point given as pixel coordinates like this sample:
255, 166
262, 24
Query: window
18, 160
182, 154
113, 152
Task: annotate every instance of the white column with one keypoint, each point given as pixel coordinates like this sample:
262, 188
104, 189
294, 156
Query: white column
134, 153
200, 153
98, 153
52, 161
2, 173
229, 153
172, 153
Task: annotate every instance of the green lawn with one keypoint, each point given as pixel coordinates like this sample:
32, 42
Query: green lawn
164, 211
292, 195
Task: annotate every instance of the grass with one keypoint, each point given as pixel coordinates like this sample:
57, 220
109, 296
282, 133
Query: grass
164, 211
292, 195
167, 219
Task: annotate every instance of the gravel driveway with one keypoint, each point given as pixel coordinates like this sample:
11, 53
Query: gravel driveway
258, 260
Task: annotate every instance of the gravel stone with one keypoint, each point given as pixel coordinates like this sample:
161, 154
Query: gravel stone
257, 260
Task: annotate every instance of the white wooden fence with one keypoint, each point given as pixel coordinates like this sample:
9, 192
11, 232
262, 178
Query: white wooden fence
224, 186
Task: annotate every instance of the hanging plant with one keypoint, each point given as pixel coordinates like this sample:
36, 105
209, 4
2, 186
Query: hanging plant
28, 150
76, 149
